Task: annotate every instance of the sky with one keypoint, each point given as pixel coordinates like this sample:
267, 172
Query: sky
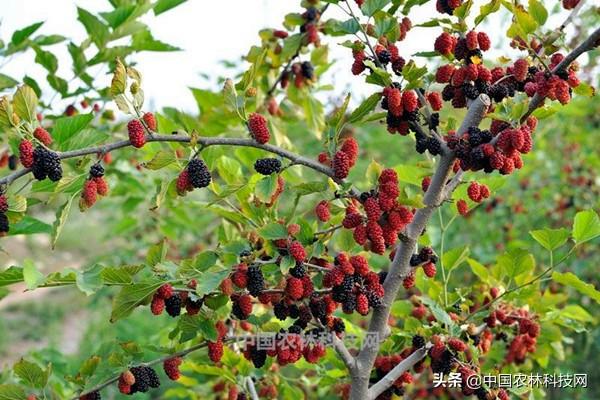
208, 32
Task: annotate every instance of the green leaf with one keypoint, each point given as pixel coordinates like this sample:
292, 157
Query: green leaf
67, 127
25, 102
7, 82
29, 226
96, 30
273, 231
46, 59
583, 89
21, 35
586, 226
440, 315
130, 297
11, 276
571, 280
515, 262
162, 6
286, 263
349, 26
487, 9
161, 160
453, 258
90, 279
538, 11
365, 108
479, 269
266, 187
144, 41
12, 392
370, 7
31, 275
31, 374
120, 275
119, 15
524, 20
310, 187
205, 260
61, 217
550, 239
211, 279
157, 253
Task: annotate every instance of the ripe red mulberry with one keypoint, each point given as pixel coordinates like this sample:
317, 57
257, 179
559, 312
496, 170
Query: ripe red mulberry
294, 288
429, 269
462, 207
171, 367
135, 129
472, 42
258, 127
444, 73
26, 153
350, 147
150, 121
484, 41
341, 165
409, 101
89, 192
322, 211
215, 351
435, 100
43, 136
297, 251
444, 44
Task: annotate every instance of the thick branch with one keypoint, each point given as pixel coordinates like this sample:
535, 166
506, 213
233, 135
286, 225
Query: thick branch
400, 266
586, 45
389, 379
344, 354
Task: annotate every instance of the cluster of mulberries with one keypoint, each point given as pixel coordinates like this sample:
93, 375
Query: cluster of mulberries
343, 159
525, 339
557, 86
353, 284
390, 55
402, 107
303, 73
167, 298
259, 128
241, 305
385, 217
46, 164
500, 148
267, 166
310, 28
425, 258
4, 223
195, 175
447, 6
95, 185
137, 136
478, 192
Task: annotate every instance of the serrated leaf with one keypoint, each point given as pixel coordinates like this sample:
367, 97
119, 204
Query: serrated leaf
525, 20
440, 315
12, 392
453, 258
97, 31
61, 217
31, 275
487, 9
129, 297
370, 7
479, 269
25, 102
157, 253
11, 276
265, 188
306, 188
120, 275
161, 159
286, 263
67, 128
205, 260
550, 239
586, 226
571, 280
273, 231
31, 374
211, 279
515, 262
7, 82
